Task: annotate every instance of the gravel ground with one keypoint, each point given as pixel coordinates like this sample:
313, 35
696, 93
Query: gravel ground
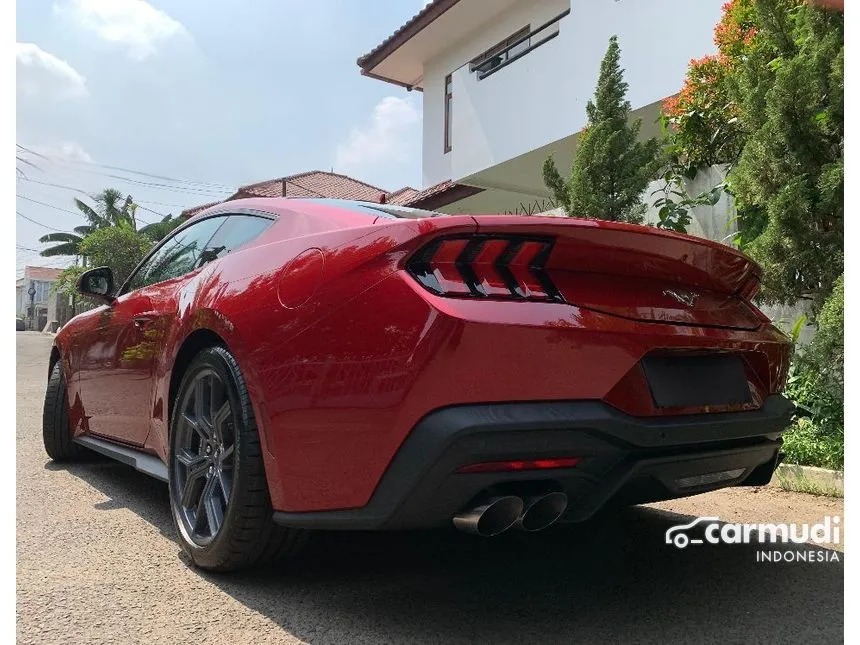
97, 563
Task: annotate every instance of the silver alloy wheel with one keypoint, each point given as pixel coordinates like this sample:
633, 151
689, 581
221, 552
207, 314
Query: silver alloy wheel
203, 457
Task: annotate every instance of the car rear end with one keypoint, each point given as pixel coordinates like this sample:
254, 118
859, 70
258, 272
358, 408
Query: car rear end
566, 364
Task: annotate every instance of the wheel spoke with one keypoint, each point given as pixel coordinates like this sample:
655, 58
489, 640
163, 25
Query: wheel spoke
211, 506
219, 418
200, 403
199, 428
193, 483
214, 397
226, 458
200, 519
189, 459
225, 481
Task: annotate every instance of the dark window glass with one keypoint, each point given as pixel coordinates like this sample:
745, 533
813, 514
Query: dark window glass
178, 254
496, 55
237, 231
449, 106
388, 211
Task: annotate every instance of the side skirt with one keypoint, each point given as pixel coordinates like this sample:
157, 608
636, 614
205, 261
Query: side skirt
145, 463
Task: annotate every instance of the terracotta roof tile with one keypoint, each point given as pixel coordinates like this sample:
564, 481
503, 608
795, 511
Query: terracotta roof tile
41, 273
189, 212
430, 191
401, 196
428, 14
335, 186
441, 194
315, 183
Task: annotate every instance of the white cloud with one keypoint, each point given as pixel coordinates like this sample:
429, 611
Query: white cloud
135, 25
64, 151
43, 75
393, 136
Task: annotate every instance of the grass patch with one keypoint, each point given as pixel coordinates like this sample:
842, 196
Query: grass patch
803, 484
805, 444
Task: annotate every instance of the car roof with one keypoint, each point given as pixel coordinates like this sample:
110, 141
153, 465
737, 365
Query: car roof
353, 210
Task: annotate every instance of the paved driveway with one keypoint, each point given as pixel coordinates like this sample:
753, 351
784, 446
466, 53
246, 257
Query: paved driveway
97, 563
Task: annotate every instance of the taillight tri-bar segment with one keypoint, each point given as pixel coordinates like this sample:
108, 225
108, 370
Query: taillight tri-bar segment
502, 267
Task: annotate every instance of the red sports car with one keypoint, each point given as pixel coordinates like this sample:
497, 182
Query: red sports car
294, 364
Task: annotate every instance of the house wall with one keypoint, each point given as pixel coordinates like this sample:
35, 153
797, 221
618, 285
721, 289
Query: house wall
715, 222
436, 164
541, 97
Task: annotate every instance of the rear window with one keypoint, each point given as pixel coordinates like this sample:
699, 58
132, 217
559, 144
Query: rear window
390, 211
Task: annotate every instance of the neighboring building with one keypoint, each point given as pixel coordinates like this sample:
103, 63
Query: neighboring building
318, 183
505, 84
42, 306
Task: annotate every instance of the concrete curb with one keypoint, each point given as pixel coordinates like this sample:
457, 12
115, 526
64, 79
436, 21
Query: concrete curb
809, 479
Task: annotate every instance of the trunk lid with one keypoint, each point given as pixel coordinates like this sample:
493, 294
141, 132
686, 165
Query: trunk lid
642, 273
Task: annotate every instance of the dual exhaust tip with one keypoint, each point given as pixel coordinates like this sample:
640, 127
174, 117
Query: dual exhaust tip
498, 514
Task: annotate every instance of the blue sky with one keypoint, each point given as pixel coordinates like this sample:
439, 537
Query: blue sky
223, 93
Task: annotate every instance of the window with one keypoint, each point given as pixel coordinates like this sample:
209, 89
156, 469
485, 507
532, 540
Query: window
373, 209
500, 53
43, 289
177, 255
448, 102
236, 231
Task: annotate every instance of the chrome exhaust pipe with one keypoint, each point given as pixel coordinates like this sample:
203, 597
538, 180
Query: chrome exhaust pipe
541, 511
495, 516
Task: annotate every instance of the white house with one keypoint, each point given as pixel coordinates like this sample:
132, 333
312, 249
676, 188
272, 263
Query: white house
505, 84
41, 306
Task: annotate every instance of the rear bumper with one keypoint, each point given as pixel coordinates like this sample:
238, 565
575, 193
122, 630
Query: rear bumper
624, 459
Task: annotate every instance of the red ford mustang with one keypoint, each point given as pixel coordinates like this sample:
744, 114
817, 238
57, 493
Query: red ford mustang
294, 364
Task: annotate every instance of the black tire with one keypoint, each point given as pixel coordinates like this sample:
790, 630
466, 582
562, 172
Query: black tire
245, 534
56, 433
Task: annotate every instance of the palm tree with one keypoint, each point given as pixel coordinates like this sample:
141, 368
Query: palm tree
158, 230
111, 209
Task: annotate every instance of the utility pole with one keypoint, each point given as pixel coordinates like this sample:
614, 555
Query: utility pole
32, 309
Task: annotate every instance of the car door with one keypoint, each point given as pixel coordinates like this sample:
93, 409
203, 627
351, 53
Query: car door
116, 374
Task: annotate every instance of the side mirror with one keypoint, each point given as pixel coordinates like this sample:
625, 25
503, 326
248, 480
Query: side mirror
97, 283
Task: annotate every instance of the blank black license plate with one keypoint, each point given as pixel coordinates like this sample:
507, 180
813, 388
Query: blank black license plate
696, 381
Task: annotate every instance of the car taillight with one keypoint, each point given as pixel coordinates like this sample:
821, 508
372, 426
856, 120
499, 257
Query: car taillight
507, 267
750, 289
518, 464
747, 292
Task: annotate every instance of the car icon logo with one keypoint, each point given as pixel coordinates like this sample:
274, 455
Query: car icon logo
676, 535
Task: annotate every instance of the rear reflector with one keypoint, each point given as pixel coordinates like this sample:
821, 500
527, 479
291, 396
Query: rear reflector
506, 267
531, 464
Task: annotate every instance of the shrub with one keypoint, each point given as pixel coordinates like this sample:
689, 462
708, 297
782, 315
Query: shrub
816, 384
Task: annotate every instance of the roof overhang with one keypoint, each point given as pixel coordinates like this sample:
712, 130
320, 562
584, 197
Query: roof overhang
400, 58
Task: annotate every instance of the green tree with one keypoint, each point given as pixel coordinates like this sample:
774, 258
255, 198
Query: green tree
111, 208
790, 91
159, 230
612, 167
119, 247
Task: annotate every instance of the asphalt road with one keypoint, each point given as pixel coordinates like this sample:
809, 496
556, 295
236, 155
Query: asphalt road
97, 563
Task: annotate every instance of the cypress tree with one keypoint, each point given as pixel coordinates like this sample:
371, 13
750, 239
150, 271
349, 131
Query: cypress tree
612, 167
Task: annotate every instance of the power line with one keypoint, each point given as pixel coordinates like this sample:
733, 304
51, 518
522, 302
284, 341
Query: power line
30, 219
36, 201
149, 201
78, 190
186, 190
191, 182
50, 183
66, 210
